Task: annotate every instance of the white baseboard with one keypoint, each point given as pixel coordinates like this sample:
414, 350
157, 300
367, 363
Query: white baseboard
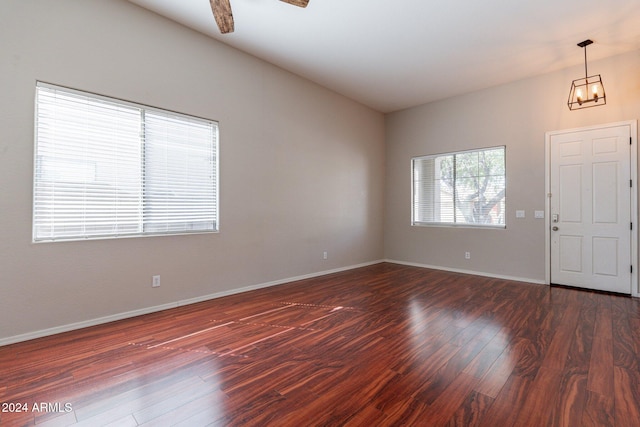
112, 318
475, 273
274, 283
84, 324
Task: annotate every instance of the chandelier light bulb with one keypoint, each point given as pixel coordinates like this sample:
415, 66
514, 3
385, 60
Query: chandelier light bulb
579, 96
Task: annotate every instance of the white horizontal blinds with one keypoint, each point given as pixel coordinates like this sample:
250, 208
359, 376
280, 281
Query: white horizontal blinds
423, 191
432, 202
87, 166
460, 188
109, 168
180, 181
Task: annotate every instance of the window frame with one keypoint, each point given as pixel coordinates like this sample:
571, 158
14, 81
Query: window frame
416, 223
213, 145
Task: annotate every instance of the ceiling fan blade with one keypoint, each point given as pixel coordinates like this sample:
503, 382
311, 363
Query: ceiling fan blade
299, 3
222, 13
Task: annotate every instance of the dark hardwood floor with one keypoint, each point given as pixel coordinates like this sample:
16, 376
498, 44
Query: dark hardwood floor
383, 345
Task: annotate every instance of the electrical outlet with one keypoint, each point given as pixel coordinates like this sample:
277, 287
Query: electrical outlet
325, 255
467, 255
155, 283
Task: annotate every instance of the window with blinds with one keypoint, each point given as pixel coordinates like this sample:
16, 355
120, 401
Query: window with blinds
464, 188
106, 168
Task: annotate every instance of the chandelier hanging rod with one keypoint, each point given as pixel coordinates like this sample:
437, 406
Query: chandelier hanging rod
584, 45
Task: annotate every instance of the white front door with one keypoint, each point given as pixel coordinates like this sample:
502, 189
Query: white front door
590, 208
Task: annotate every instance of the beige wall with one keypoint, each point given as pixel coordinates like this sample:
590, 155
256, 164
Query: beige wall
301, 168
516, 115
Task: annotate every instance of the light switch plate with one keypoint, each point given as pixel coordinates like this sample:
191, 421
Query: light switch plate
519, 214
538, 214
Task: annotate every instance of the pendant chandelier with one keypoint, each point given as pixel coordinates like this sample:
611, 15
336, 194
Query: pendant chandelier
587, 91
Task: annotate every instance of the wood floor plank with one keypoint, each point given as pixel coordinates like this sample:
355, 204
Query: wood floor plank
452, 370
569, 398
112, 408
627, 396
534, 410
625, 346
601, 376
57, 420
408, 412
128, 421
571, 393
489, 354
382, 345
599, 411
172, 414
558, 351
367, 416
506, 407
471, 411
452, 398
498, 374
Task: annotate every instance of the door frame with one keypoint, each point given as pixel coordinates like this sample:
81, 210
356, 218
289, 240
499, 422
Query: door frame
633, 128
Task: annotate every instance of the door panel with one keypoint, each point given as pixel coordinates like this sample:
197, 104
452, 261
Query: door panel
605, 196
571, 190
591, 209
605, 254
570, 254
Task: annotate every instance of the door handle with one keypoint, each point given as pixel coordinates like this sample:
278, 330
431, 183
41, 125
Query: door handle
554, 228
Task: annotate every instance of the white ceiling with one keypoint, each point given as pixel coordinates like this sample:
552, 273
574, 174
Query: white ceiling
392, 55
